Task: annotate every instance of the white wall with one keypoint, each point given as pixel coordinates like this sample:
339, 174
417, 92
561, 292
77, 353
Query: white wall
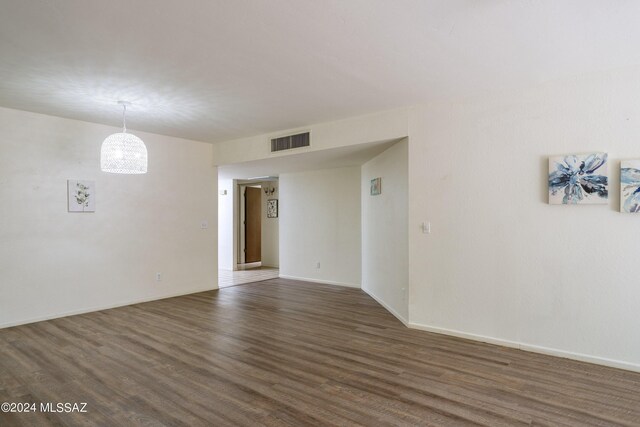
501, 265
270, 229
320, 222
500, 262
385, 239
226, 226
54, 263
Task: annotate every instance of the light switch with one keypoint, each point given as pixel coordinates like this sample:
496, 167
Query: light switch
426, 227
204, 225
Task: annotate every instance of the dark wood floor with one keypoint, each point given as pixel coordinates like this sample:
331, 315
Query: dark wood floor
282, 352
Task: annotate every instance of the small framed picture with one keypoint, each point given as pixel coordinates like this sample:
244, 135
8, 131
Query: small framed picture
376, 186
272, 208
630, 186
82, 196
579, 179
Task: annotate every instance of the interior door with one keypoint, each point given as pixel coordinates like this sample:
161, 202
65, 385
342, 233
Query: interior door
252, 224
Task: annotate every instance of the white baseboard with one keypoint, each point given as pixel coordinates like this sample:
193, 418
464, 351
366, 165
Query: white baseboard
387, 307
104, 307
529, 347
325, 282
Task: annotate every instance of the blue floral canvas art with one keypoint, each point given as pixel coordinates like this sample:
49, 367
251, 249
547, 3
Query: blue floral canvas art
578, 179
630, 186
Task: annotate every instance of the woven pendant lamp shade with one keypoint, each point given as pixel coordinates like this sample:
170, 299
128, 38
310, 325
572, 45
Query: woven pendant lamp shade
123, 153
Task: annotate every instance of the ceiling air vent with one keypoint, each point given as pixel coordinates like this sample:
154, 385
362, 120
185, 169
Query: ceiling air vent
291, 141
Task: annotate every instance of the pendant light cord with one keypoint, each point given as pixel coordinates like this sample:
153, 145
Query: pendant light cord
124, 118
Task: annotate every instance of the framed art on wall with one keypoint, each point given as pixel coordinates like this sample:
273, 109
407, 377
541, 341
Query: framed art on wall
81, 196
578, 179
272, 208
376, 186
630, 186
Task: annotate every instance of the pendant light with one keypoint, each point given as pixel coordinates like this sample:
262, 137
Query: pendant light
123, 152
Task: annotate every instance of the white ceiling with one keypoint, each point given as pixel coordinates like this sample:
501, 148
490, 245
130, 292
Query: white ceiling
353, 155
214, 70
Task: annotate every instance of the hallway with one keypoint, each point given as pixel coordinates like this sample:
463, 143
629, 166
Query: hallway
227, 278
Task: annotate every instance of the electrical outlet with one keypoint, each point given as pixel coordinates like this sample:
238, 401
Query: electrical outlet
158, 277
204, 225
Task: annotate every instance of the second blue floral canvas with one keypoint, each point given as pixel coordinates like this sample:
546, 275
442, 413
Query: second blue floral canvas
578, 179
630, 186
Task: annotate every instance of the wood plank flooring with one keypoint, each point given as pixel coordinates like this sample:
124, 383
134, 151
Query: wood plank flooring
283, 352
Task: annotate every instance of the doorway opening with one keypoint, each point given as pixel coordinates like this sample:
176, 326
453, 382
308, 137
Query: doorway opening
250, 239
248, 232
